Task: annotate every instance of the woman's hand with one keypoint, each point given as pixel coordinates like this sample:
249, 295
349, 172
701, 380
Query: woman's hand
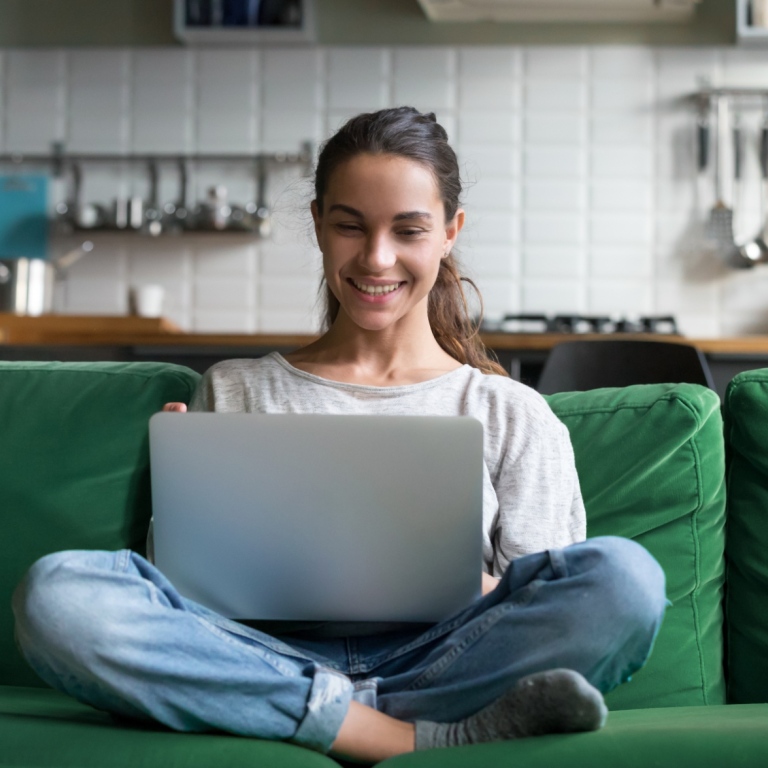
489, 583
177, 407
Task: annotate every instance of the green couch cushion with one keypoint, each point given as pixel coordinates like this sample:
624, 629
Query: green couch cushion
45, 729
651, 464
74, 466
746, 425
705, 737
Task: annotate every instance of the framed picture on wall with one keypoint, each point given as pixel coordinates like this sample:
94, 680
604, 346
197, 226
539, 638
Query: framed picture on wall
244, 21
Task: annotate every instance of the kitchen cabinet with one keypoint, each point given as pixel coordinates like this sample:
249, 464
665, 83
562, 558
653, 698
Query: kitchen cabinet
747, 32
239, 22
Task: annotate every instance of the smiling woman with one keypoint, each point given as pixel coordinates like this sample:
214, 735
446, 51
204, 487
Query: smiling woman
559, 620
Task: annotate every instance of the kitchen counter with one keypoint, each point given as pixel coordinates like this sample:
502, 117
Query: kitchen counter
88, 338
84, 330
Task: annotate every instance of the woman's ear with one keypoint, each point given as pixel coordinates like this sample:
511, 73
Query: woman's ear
316, 219
452, 229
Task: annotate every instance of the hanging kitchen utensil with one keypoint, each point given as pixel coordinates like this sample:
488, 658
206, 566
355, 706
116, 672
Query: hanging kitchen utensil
720, 225
84, 215
152, 223
177, 213
702, 143
755, 251
262, 219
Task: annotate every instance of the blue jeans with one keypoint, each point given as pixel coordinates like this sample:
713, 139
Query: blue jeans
109, 629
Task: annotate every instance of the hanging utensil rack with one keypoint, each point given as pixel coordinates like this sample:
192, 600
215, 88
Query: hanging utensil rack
711, 103
59, 159
71, 164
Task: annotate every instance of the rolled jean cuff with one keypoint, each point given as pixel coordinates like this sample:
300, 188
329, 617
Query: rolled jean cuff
328, 704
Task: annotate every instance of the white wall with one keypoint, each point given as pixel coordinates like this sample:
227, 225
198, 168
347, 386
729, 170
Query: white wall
582, 189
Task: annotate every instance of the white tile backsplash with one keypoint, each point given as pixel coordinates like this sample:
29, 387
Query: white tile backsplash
554, 162
557, 262
565, 196
621, 163
358, 79
630, 63
292, 80
555, 95
619, 297
487, 162
480, 127
34, 100
479, 63
579, 163
621, 261
425, 78
553, 295
554, 128
555, 62
546, 228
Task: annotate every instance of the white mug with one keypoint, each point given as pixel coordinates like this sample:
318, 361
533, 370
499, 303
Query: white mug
147, 300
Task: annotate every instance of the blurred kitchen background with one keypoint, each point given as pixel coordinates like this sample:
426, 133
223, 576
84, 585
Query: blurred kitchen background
577, 141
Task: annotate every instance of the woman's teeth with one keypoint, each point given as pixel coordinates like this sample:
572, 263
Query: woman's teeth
376, 290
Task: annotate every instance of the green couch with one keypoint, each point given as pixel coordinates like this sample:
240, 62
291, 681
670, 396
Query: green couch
654, 466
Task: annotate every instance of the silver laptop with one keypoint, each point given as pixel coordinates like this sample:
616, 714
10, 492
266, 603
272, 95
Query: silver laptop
319, 517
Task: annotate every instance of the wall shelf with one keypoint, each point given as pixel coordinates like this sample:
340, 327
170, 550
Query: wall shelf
137, 215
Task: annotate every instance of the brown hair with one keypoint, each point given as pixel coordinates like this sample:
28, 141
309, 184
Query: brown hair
406, 132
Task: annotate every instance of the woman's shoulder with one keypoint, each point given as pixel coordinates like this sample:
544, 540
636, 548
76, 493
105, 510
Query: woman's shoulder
507, 396
237, 368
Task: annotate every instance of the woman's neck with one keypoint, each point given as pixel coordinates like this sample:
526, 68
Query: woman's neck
378, 358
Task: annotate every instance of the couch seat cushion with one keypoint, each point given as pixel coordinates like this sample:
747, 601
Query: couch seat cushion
705, 737
45, 729
74, 460
746, 422
651, 464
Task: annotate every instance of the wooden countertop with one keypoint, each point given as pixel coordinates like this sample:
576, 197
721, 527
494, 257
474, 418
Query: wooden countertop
85, 330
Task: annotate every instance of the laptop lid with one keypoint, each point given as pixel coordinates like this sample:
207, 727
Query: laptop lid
319, 517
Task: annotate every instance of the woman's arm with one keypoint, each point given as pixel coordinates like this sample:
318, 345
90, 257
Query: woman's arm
489, 583
537, 487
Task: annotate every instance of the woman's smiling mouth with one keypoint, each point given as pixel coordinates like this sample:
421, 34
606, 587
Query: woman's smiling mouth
379, 289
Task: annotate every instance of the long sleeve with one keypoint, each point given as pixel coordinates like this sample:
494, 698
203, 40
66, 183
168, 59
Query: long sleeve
537, 488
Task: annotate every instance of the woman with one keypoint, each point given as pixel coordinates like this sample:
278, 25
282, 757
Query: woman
561, 620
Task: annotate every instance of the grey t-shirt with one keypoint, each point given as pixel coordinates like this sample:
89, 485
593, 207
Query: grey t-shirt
531, 496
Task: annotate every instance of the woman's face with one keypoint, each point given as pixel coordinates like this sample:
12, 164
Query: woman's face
382, 234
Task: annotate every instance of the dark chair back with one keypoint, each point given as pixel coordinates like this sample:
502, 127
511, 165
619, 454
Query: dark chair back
591, 364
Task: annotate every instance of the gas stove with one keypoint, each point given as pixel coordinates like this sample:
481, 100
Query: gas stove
656, 324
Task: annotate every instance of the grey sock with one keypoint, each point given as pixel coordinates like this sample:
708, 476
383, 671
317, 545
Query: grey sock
555, 701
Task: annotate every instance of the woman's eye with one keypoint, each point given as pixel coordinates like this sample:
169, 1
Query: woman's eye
348, 227
409, 232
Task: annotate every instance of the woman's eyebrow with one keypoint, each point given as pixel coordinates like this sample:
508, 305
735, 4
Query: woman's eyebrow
397, 217
346, 209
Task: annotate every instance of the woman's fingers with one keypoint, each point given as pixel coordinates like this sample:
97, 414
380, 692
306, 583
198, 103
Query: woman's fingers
178, 407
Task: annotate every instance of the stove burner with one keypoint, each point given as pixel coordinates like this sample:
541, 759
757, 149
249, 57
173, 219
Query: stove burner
657, 324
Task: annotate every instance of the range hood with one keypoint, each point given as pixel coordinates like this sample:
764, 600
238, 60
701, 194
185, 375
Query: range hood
590, 11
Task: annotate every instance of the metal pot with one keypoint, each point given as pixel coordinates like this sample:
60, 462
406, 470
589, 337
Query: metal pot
27, 285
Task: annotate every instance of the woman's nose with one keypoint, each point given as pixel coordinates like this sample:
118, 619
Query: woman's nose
379, 254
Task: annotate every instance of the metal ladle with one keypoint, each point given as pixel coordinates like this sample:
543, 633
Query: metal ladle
756, 250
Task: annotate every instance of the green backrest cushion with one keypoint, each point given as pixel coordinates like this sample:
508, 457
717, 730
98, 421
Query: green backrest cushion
74, 466
651, 464
746, 432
